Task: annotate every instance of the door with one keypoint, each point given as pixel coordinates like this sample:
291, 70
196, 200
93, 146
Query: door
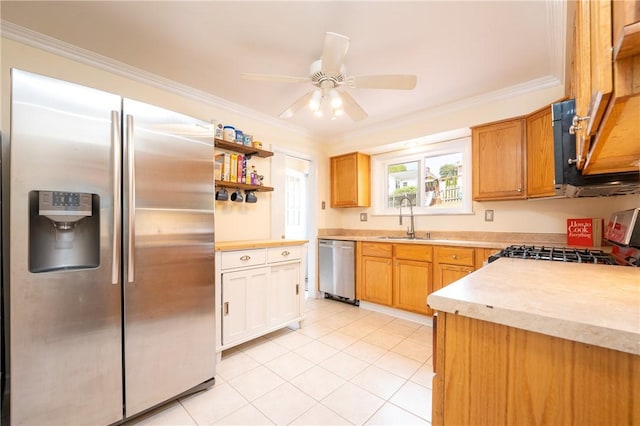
244, 310
168, 254
446, 274
498, 161
65, 325
284, 287
412, 285
377, 280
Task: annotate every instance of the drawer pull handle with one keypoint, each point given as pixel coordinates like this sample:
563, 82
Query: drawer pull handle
454, 256
245, 258
285, 253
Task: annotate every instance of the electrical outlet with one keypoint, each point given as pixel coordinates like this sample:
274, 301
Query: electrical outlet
363, 217
488, 215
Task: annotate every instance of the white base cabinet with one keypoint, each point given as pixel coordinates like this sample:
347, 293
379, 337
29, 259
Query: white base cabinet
257, 291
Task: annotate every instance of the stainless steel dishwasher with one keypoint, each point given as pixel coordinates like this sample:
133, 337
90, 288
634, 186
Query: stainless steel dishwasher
337, 270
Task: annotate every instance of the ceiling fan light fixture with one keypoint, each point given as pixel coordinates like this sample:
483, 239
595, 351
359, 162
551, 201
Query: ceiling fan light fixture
315, 101
336, 99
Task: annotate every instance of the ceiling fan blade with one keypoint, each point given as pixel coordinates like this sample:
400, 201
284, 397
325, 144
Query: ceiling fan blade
391, 81
352, 108
274, 77
333, 53
296, 106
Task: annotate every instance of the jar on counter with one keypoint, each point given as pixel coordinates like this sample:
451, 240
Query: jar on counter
229, 133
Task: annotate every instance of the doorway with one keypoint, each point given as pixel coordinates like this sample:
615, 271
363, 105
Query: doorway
293, 216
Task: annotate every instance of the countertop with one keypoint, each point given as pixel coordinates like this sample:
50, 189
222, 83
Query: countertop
439, 242
592, 304
252, 244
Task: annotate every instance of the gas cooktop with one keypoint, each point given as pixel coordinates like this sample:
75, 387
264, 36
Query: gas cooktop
560, 254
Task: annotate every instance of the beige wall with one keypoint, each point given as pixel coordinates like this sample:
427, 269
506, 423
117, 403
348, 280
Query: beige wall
233, 220
539, 216
243, 221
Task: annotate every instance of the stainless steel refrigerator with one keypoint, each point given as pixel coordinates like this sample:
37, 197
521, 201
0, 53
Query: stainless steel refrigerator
111, 254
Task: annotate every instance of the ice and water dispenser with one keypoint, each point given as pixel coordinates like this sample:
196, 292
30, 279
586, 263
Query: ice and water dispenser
64, 231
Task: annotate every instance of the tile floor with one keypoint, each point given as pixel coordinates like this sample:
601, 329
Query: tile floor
346, 365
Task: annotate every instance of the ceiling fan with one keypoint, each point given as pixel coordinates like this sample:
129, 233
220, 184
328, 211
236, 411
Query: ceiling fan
327, 74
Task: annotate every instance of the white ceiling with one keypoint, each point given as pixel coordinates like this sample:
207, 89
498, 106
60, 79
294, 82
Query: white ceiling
458, 49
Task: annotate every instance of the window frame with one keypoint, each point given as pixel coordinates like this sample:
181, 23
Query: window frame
380, 181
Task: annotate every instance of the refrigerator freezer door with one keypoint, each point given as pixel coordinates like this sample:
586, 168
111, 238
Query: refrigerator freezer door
65, 326
169, 270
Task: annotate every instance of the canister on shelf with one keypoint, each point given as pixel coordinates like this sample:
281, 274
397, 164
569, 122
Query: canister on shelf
239, 136
248, 140
229, 133
218, 129
257, 144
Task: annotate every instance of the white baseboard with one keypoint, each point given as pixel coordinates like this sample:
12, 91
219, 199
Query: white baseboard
398, 313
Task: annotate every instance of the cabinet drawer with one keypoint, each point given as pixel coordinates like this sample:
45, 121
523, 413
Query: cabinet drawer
283, 254
242, 258
413, 252
377, 249
454, 255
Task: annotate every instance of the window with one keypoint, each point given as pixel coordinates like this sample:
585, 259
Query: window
435, 177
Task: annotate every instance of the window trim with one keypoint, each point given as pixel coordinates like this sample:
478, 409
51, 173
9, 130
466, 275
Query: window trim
379, 163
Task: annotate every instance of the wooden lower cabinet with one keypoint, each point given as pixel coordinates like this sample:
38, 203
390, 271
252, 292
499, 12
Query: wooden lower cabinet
412, 285
492, 374
396, 275
377, 279
445, 274
451, 264
403, 275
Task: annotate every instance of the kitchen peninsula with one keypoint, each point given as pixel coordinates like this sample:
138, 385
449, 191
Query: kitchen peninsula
538, 342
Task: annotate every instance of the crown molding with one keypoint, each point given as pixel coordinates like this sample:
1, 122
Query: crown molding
556, 41
452, 107
66, 50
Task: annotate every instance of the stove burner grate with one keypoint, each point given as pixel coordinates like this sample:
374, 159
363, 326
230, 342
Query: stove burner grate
560, 254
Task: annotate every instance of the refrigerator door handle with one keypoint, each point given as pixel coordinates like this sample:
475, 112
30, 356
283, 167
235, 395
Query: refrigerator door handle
132, 200
117, 203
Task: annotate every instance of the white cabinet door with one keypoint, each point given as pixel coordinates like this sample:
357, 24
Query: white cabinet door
244, 311
284, 298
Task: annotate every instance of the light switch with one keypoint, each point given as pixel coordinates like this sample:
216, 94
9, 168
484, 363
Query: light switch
363, 217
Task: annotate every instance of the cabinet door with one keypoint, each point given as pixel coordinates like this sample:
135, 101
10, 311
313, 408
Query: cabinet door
376, 280
498, 161
445, 274
284, 293
244, 311
411, 285
540, 156
350, 180
594, 69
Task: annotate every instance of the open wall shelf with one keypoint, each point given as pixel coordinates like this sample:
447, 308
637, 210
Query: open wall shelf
242, 149
243, 186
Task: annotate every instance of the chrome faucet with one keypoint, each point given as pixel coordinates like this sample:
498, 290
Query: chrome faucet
411, 233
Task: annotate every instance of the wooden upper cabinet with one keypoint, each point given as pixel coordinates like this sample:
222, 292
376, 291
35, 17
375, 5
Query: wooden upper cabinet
594, 77
607, 85
540, 155
351, 180
498, 160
